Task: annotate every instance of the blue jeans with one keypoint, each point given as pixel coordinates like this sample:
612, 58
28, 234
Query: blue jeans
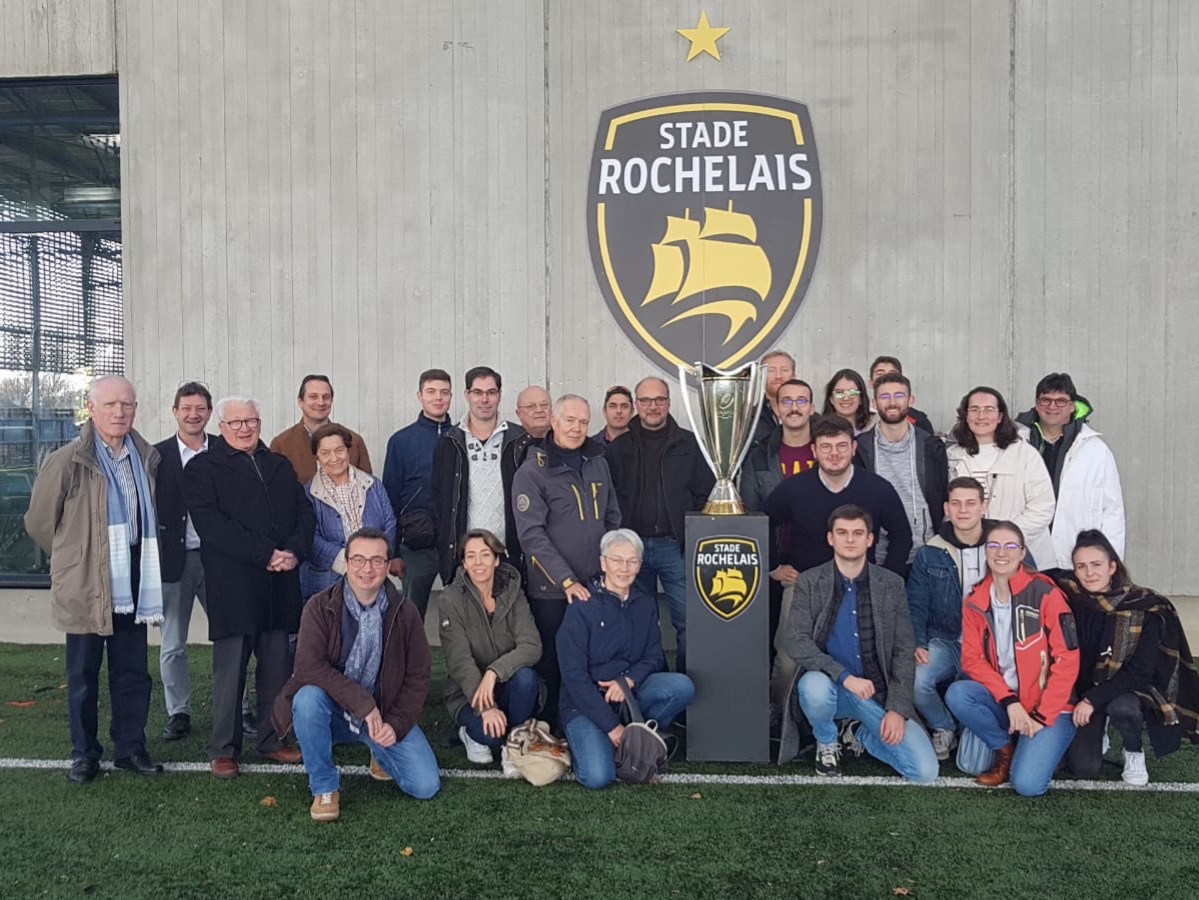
321, 723
823, 702
516, 697
1036, 757
944, 665
663, 561
661, 697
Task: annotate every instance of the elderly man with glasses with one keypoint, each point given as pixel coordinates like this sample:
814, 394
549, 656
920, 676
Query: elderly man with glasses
255, 526
660, 476
362, 675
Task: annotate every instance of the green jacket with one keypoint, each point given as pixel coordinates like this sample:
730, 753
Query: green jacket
68, 518
472, 643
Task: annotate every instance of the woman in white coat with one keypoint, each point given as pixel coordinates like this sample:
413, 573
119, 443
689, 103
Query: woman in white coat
988, 448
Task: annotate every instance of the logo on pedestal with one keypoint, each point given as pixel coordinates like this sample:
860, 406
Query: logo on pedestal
727, 571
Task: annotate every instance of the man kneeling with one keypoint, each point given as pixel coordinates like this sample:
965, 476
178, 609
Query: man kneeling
362, 674
851, 635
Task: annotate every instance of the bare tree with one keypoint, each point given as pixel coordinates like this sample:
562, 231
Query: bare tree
57, 391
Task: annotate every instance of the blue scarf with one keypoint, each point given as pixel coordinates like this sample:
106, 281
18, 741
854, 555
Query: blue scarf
120, 562
366, 654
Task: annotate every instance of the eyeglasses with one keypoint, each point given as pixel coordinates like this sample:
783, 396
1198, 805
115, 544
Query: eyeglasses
536, 407
1054, 402
898, 396
788, 402
479, 395
847, 395
981, 410
239, 424
620, 563
1010, 547
358, 561
653, 401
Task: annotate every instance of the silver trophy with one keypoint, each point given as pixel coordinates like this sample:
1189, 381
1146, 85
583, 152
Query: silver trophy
729, 406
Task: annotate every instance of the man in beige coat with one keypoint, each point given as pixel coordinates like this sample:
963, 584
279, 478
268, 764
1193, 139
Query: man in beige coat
92, 510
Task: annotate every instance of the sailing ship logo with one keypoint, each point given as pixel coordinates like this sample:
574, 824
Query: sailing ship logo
704, 218
727, 574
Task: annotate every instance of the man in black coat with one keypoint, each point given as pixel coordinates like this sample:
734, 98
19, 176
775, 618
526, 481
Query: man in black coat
179, 552
660, 476
255, 525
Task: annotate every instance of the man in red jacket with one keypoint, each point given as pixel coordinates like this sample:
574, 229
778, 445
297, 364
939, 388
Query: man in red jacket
362, 674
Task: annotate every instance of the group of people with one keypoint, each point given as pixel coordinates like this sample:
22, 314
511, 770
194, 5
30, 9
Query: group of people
551, 546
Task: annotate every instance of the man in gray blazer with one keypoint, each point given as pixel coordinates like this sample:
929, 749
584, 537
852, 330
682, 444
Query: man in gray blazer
850, 633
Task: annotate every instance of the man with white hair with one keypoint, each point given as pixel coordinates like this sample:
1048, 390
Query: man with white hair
255, 525
563, 503
92, 510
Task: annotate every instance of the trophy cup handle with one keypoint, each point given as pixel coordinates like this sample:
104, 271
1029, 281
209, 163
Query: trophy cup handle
685, 390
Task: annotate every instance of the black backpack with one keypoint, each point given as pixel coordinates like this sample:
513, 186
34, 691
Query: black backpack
642, 753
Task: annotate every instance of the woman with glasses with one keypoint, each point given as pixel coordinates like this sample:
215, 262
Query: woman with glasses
1020, 660
988, 448
845, 396
491, 644
1136, 666
344, 499
613, 636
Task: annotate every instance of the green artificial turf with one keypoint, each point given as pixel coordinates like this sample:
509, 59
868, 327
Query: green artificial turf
188, 835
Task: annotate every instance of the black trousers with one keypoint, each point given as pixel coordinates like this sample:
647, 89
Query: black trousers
1085, 756
230, 657
548, 615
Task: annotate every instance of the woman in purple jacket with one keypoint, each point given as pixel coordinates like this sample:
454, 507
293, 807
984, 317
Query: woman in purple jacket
344, 499
613, 634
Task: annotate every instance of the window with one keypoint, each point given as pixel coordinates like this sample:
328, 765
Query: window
61, 295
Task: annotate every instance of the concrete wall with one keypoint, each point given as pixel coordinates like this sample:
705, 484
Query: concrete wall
368, 189
57, 37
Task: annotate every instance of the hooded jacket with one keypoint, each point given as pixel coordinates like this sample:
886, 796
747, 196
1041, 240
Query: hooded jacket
1045, 643
937, 584
1086, 482
561, 515
474, 642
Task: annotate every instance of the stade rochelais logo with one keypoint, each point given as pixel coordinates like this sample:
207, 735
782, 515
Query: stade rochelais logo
704, 217
727, 570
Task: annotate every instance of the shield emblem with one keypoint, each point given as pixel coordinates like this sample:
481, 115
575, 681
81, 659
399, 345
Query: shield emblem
727, 572
704, 217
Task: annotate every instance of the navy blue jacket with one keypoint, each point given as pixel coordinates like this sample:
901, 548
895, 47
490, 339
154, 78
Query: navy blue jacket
408, 469
600, 639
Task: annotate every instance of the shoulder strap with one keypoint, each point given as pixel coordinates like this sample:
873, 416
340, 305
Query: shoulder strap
629, 700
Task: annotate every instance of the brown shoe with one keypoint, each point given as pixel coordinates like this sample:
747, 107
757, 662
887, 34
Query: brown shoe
377, 771
1001, 768
225, 767
326, 807
287, 755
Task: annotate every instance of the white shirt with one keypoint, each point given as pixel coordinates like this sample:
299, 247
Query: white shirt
186, 454
1005, 643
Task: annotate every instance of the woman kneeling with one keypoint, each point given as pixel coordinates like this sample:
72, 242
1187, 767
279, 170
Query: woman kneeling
615, 633
1020, 658
490, 644
1134, 657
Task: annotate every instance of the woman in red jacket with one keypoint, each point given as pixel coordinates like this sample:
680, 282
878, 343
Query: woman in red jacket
1020, 658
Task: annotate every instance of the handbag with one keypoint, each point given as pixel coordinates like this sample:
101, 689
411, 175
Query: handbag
642, 753
536, 754
416, 530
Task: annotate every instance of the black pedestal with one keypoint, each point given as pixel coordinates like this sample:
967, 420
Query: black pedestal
728, 613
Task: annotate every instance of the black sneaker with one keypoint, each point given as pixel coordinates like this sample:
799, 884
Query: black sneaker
828, 760
849, 737
178, 726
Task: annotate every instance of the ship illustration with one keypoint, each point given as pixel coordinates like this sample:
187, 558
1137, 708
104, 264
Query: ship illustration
729, 588
691, 259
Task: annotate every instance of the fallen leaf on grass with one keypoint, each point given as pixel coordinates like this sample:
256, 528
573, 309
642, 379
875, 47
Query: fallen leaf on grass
407, 851
268, 802
62, 687
901, 891
22, 704
697, 796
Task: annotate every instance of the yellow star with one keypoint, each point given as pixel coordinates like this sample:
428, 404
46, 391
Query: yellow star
703, 38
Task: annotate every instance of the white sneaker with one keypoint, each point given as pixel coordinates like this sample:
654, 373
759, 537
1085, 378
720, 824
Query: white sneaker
479, 754
943, 742
1134, 768
510, 771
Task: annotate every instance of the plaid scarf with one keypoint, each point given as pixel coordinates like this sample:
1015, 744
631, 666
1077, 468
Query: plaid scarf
366, 653
1173, 695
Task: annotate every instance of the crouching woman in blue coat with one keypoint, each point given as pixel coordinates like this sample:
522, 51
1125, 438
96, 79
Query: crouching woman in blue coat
614, 633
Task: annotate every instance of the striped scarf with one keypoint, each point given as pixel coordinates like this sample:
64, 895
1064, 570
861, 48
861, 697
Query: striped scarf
120, 561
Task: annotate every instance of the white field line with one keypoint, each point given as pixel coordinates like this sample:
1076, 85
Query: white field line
1176, 787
